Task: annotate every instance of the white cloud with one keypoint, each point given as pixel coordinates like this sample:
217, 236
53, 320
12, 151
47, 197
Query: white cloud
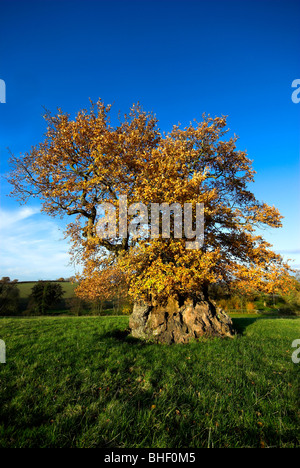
32, 246
9, 218
290, 251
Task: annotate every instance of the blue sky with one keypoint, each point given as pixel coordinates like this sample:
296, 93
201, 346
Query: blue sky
179, 59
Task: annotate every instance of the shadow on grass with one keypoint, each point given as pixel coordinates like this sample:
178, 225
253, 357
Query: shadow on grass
240, 324
124, 336
119, 335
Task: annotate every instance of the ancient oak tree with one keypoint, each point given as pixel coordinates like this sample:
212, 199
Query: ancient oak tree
85, 162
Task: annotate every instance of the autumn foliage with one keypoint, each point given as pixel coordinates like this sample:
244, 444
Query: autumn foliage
86, 161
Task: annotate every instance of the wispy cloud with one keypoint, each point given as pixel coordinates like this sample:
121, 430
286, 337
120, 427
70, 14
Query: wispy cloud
32, 246
292, 256
289, 251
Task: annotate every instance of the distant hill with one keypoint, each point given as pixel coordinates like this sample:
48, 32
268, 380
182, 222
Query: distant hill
26, 286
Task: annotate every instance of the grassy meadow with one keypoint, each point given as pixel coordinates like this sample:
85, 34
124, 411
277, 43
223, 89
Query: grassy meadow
84, 382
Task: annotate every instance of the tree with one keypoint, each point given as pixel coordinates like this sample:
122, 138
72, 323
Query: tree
9, 296
291, 298
76, 305
44, 295
85, 162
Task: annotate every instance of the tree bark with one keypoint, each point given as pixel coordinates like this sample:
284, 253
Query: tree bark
179, 322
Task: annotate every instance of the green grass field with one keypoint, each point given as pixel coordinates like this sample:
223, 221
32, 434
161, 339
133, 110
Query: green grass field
83, 382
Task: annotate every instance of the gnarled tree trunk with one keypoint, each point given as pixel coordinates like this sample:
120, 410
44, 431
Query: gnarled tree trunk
177, 322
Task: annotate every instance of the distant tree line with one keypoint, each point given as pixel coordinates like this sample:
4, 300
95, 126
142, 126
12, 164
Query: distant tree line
44, 295
47, 297
285, 303
9, 296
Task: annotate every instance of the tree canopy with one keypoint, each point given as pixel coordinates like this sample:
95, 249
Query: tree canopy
9, 296
85, 161
44, 295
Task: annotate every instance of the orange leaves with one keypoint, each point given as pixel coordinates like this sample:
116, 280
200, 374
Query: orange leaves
102, 283
269, 278
166, 268
85, 161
